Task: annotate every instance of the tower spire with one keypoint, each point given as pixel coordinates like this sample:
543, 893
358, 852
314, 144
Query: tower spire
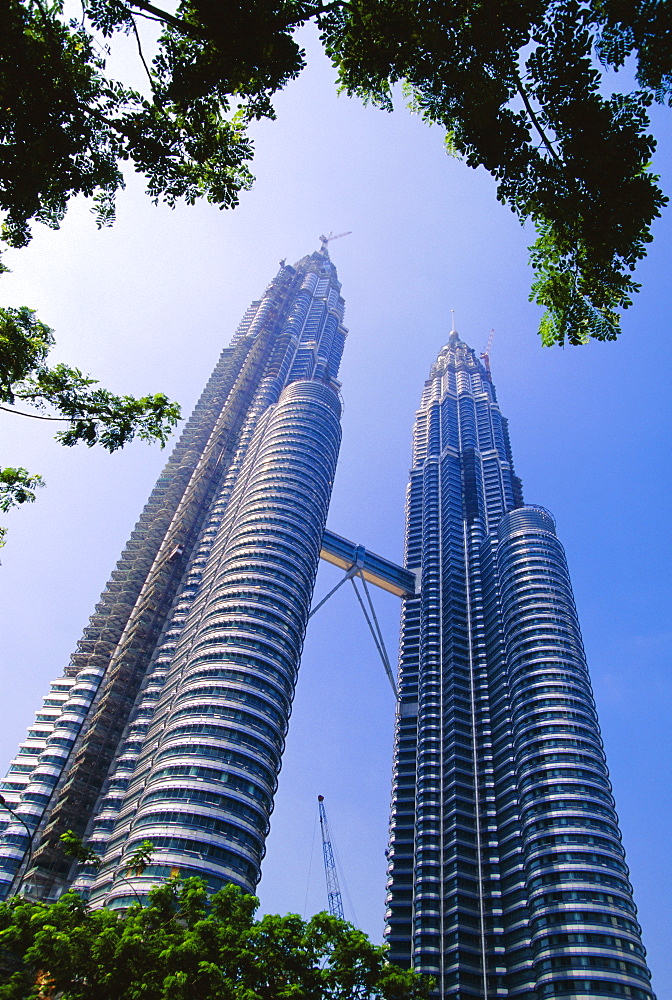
453, 332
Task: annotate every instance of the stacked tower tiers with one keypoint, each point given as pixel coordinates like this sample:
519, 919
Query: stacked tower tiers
170, 721
507, 876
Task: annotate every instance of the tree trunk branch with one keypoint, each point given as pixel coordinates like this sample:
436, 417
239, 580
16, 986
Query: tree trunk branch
37, 416
535, 121
163, 15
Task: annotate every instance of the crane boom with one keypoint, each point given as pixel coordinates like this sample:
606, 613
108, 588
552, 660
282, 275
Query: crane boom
326, 240
333, 890
485, 356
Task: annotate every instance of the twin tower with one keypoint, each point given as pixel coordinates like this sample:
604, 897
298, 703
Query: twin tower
507, 876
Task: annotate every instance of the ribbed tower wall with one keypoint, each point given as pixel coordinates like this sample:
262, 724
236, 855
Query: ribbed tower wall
227, 696
585, 939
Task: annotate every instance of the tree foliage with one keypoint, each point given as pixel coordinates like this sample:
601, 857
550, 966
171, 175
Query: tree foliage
91, 414
74, 847
183, 945
518, 87
69, 126
17, 486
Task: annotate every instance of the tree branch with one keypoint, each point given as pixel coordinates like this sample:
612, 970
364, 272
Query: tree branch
37, 416
190, 29
174, 22
140, 53
317, 12
99, 116
537, 124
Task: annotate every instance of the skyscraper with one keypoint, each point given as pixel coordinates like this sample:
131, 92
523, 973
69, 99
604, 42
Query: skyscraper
169, 723
507, 876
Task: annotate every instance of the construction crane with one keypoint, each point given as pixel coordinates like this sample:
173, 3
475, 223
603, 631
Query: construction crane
325, 240
485, 356
333, 890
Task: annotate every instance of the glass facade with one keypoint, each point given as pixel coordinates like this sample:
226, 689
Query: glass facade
169, 723
507, 875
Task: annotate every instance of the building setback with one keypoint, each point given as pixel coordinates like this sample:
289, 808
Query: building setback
169, 723
507, 876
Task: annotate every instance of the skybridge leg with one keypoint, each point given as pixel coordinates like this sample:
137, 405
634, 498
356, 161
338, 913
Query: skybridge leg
348, 576
377, 637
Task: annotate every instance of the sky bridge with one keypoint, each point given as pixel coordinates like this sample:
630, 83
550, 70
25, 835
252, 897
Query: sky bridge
379, 571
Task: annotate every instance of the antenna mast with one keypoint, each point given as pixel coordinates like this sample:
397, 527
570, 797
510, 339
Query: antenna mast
333, 890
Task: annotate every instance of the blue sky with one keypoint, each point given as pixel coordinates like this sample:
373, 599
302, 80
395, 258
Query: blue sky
147, 306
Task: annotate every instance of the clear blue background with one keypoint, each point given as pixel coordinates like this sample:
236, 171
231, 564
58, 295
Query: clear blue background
147, 306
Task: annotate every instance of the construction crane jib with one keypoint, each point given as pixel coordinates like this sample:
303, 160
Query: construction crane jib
326, 240
333, 890
485, 355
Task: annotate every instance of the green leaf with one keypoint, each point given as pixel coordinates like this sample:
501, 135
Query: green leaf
183, 944
18, 486
75, 848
